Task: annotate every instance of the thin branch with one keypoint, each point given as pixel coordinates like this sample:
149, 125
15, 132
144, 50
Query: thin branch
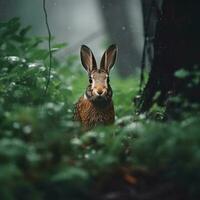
49, 46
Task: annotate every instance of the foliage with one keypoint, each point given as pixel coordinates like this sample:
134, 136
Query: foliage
187, 100
44, 154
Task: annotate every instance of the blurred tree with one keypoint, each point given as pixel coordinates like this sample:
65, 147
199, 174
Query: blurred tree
117, 22
176, 46
3, 5
150, 11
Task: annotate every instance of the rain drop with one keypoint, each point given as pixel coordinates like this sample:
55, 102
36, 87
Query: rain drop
123, 28
27, 129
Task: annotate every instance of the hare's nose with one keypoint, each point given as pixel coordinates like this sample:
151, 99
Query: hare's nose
100, 92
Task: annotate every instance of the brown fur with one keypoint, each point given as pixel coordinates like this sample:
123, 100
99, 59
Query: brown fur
90, 114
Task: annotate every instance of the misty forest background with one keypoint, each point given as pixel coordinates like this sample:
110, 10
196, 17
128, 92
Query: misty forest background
151, 152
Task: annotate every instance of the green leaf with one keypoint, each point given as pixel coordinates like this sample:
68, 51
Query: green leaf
182, 73
24, 31
70, 174
60, 45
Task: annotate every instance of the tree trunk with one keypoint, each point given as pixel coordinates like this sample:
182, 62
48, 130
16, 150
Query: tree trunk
176, 46
117, 23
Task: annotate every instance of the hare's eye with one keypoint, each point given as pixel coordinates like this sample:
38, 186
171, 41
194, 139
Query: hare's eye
90, 80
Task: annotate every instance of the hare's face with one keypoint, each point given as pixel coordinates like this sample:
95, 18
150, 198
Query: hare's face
99, 88
99, 83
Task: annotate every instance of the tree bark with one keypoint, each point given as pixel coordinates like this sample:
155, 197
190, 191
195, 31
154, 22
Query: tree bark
117, 23
176, 46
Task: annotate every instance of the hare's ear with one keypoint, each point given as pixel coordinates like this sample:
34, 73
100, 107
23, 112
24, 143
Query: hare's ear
109, 58
87, 59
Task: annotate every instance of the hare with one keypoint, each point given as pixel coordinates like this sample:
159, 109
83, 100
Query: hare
96, 105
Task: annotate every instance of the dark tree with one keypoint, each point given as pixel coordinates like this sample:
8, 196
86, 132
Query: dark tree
176, 46
151, 11
117, 23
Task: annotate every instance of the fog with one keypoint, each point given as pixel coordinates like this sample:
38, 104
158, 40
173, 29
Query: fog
96, 23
